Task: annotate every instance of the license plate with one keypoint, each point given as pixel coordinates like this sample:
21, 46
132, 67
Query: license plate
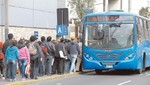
109, 66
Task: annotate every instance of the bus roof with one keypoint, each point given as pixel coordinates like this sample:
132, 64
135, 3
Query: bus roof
107, 13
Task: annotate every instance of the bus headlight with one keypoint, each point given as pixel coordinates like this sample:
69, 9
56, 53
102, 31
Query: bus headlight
129, 56
88, 57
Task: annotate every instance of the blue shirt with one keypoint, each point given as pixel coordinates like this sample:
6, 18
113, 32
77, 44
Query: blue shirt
12, 53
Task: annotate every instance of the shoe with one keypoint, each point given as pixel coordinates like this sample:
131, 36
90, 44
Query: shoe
9, 80
3, 78
13, 80
36, 78
70, 72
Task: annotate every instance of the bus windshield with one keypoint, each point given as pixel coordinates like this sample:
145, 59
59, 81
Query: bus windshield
109, 36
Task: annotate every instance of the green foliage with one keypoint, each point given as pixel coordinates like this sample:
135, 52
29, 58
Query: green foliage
78, 7
144, 12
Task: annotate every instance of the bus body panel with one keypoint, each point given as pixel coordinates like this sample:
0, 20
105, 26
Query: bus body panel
127, 58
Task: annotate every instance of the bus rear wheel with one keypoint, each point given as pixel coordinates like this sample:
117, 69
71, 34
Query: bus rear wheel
98, 71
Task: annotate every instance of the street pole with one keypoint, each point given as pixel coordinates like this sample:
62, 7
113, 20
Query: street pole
6, 31
129, 5
120, 4
62, 20
104, 5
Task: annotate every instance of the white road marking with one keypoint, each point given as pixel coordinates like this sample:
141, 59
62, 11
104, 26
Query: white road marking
148, 75
124, 82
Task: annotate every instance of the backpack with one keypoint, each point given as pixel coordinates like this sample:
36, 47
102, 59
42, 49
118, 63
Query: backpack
1, 54
44, 49
32, 49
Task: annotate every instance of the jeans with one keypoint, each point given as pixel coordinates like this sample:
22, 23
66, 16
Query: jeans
34, 68
22, 63
11, 65
67, 66
73, 60
41, 68
48, 65
2, 67
58, 65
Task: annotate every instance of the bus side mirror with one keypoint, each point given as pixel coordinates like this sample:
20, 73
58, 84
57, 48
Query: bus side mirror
81, 28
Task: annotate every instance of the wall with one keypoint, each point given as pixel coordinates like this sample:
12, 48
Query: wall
125, 5
27, 16
61, 3
114, 5
33, 13
136, 6
23, 32
1, 11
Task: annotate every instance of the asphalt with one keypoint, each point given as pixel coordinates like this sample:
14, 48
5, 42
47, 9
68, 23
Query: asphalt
30, 81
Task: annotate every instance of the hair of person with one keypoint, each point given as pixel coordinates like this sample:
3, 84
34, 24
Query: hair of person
13, 43
10, 36
21, 41
62, 40
32, 38
42, 38
49, 38
39, 42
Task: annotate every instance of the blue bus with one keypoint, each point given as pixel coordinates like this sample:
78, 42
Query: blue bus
115, 40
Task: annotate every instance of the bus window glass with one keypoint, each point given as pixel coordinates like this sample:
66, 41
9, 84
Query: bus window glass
149, 29
109, 18
145, 29
141, 29
105, 36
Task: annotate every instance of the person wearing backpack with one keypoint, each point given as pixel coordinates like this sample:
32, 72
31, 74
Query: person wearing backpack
24, 57
41, 62
51, 51
35, 55
74, 51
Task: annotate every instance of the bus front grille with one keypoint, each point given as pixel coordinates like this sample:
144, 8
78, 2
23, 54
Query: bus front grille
108, 56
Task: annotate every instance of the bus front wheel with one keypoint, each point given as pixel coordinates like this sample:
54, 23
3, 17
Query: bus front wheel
139, 71
98, 71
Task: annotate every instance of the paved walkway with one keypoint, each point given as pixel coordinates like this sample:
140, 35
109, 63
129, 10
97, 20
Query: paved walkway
29, 81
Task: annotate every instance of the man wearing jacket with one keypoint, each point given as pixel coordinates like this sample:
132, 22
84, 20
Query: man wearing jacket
74, 51
59, 60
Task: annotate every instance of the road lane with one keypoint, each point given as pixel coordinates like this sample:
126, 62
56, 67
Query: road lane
106, 78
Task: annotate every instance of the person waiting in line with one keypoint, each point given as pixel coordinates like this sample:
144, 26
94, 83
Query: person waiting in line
67, 60
24, 57
74, 51
6, 44
51, 50
11, 56
41, 65
35, 55
1, 61
59, 57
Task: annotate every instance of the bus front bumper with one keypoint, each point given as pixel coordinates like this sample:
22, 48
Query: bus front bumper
124, 64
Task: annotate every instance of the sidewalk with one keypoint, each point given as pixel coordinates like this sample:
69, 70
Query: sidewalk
29, 81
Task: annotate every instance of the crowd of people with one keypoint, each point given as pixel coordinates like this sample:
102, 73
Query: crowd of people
37, 57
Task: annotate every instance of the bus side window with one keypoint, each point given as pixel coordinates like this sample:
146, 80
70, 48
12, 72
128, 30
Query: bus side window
139, 32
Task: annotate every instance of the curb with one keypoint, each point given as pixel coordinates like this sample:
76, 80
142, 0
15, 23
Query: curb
42, 79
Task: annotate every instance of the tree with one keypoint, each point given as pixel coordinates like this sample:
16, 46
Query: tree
80, 7
144, 12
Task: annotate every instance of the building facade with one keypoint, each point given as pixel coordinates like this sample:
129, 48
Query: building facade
132, 6
29, 17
